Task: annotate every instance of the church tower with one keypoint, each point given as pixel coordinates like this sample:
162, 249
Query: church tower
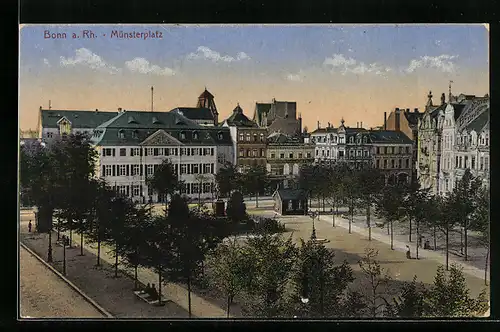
206, 100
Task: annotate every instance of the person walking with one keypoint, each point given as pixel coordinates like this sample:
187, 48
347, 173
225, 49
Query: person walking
408, 253
29, 227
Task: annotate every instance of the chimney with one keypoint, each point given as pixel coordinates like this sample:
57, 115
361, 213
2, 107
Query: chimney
416, 110
329, 125
300, 123
318, 125
119, 109
397, 121
385, 120
361, 124
357, 124
408, 110
96, 110
397, 109
40, 108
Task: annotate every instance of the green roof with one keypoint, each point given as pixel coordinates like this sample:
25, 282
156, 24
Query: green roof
78, 118
133, 127
195, 113
291, 194
239, 119
389, 137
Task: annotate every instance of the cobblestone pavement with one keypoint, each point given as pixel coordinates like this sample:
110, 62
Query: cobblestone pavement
351, 247
113, 294
44, 295
83, 268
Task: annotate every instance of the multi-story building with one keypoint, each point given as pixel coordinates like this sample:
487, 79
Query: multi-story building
205, 113
450, 141
286, 154
131, 145
406, 121
53, 123
249, 141
278, 116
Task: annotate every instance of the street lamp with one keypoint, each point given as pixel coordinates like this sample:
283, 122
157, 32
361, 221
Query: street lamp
305, 301
313, 215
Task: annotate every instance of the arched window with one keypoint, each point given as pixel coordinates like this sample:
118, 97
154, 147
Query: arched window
220, 136
351, 140
121, 134
135, 134
182, 135
365, 140
195, 135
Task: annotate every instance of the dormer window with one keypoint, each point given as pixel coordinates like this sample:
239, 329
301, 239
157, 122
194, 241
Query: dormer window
131, 119
365, 140
121, 134
220, 136
155, 120
262, 137
351, 140
182, 135
135, 134
195, 135
64, 127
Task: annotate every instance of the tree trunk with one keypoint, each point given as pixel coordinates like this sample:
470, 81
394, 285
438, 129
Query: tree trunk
392, 235
324, 204
486, 267
418, 234
136, 286
465, 241
257, 199
228, 304
81, 243
368, 221
409, 236
189, 295
199, 195
333, 216
58, 229
388, 230
350, 219
447, 246
70, 237
159, 285
461, 240
116, 260
99, 249
435, 240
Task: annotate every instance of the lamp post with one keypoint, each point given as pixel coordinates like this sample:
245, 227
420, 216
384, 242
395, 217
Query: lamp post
305, 301
313, 215
64, 242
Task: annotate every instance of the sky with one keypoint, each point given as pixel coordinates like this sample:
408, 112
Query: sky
355, 72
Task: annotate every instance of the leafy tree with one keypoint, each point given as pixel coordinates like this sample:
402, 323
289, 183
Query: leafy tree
165, 181
230, 268
481, 224
227, 179
389, 207
267, 283
200, 180
464, 203
416, 202
376, 278
371, 181
236, 208
352, 191
439, 215
255, 180
410, 303
320, 280
336, 190
449, 296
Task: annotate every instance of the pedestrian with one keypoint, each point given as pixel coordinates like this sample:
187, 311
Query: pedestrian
408, 254
29, 227
420, 239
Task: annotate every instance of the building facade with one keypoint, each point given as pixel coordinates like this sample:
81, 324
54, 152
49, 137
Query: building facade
278, 116
249, 141
133, 144
285, 155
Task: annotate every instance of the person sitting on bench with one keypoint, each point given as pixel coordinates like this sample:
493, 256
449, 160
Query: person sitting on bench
147, 289
153, 293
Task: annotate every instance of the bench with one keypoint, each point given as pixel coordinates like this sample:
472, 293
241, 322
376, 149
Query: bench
147, 298
321, 240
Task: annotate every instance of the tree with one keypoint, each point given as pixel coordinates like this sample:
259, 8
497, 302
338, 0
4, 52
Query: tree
449, 296
165, 181
464, 203
352, 191
481, 224
255, 180
440, 216
236, 208
371, 182
230, 269
416, 202
376, 278
227, 179
200, 179
320, 280
410, 303
389, 207
267, 283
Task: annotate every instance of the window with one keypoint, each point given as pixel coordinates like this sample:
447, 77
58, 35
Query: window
466, 161
341, 154
385, 149
195, 135
108, 152
377, 163
220, 136
273, 155
195, 168
309, 155
392, 163
182, 135
396, 150
262, 137
194, 188
136, 190
487, 140
300, 155
149, 170
123, 190
456, 162
486, 166
290, 205
49, 135
206, 187
255, 137
473, 162
241, 137
400, 163
135, 170
365, 153
447, 184
351, 153
206, 168
407, 163
460, 161
122, 170
107, 170
282, 155
149, 151
317, 152
248, 138
194, 151
359, 153
123, 152
262, 153
121, 134
136, 152
135, 134
248, 153
385, 163
481, 163
183, 168
351, 139
335, 139
254, 153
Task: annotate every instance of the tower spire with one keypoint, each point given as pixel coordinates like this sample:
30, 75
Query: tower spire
449, 92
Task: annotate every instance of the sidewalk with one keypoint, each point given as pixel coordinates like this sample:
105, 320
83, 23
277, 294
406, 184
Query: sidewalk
401, 245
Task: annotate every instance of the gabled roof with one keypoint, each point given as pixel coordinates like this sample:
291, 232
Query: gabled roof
389, 137
281, 138
413, 117
458, 108
146, 124
239, 119
206, 94
291, 194
195, 113
77, 118
478, 123
434, 113
324, 130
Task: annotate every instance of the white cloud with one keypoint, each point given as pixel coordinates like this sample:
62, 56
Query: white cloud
141, 65
85, 57
46, 62
442, 62
204, 52
350, 65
